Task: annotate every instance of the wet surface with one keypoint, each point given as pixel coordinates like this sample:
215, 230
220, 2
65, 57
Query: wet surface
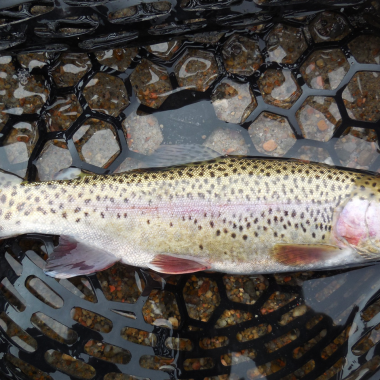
325, 69
361, 96
271, 134
241, 55
318, 118
285, 43
266, 90
151, 83
357, 148
279, 88
329, 26
196, 70
233, 102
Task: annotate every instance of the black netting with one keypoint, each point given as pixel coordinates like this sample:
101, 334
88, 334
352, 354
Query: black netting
59, 25
262, 321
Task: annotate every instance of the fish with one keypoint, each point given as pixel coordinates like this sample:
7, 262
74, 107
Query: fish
231, 214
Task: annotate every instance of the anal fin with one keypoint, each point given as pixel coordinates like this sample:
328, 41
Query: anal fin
176, 265
72, 258
298, 255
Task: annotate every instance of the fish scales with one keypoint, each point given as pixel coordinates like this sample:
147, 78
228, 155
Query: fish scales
228, 214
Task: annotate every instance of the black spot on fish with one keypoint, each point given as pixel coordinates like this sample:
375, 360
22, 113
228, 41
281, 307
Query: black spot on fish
40, 209
3, 198
64, 215
217, 232
77, 220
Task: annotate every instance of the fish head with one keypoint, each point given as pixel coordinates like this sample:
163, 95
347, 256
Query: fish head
358, 225
372, 219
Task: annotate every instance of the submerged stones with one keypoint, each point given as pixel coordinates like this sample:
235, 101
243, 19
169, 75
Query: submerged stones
151, 83
271, 134
325, 69
279, 88
329, 26
143, 133
241, 55
285, 44
62, 114
70, 69
96, 143
107, 94
318, 118
196, 70
118, 59
20, 92
361, 96
233, 102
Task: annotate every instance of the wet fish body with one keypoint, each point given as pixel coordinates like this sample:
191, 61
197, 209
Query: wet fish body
235, 215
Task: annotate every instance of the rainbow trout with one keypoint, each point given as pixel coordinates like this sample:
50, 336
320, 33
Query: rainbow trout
235, 215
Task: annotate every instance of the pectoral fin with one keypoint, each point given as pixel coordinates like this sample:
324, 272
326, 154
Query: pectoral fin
298, 255
72, 258
176, 265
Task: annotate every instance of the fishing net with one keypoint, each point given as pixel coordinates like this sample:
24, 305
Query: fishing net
101, 86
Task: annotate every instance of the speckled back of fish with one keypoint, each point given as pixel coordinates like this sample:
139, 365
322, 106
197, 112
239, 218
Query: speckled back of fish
235, 215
